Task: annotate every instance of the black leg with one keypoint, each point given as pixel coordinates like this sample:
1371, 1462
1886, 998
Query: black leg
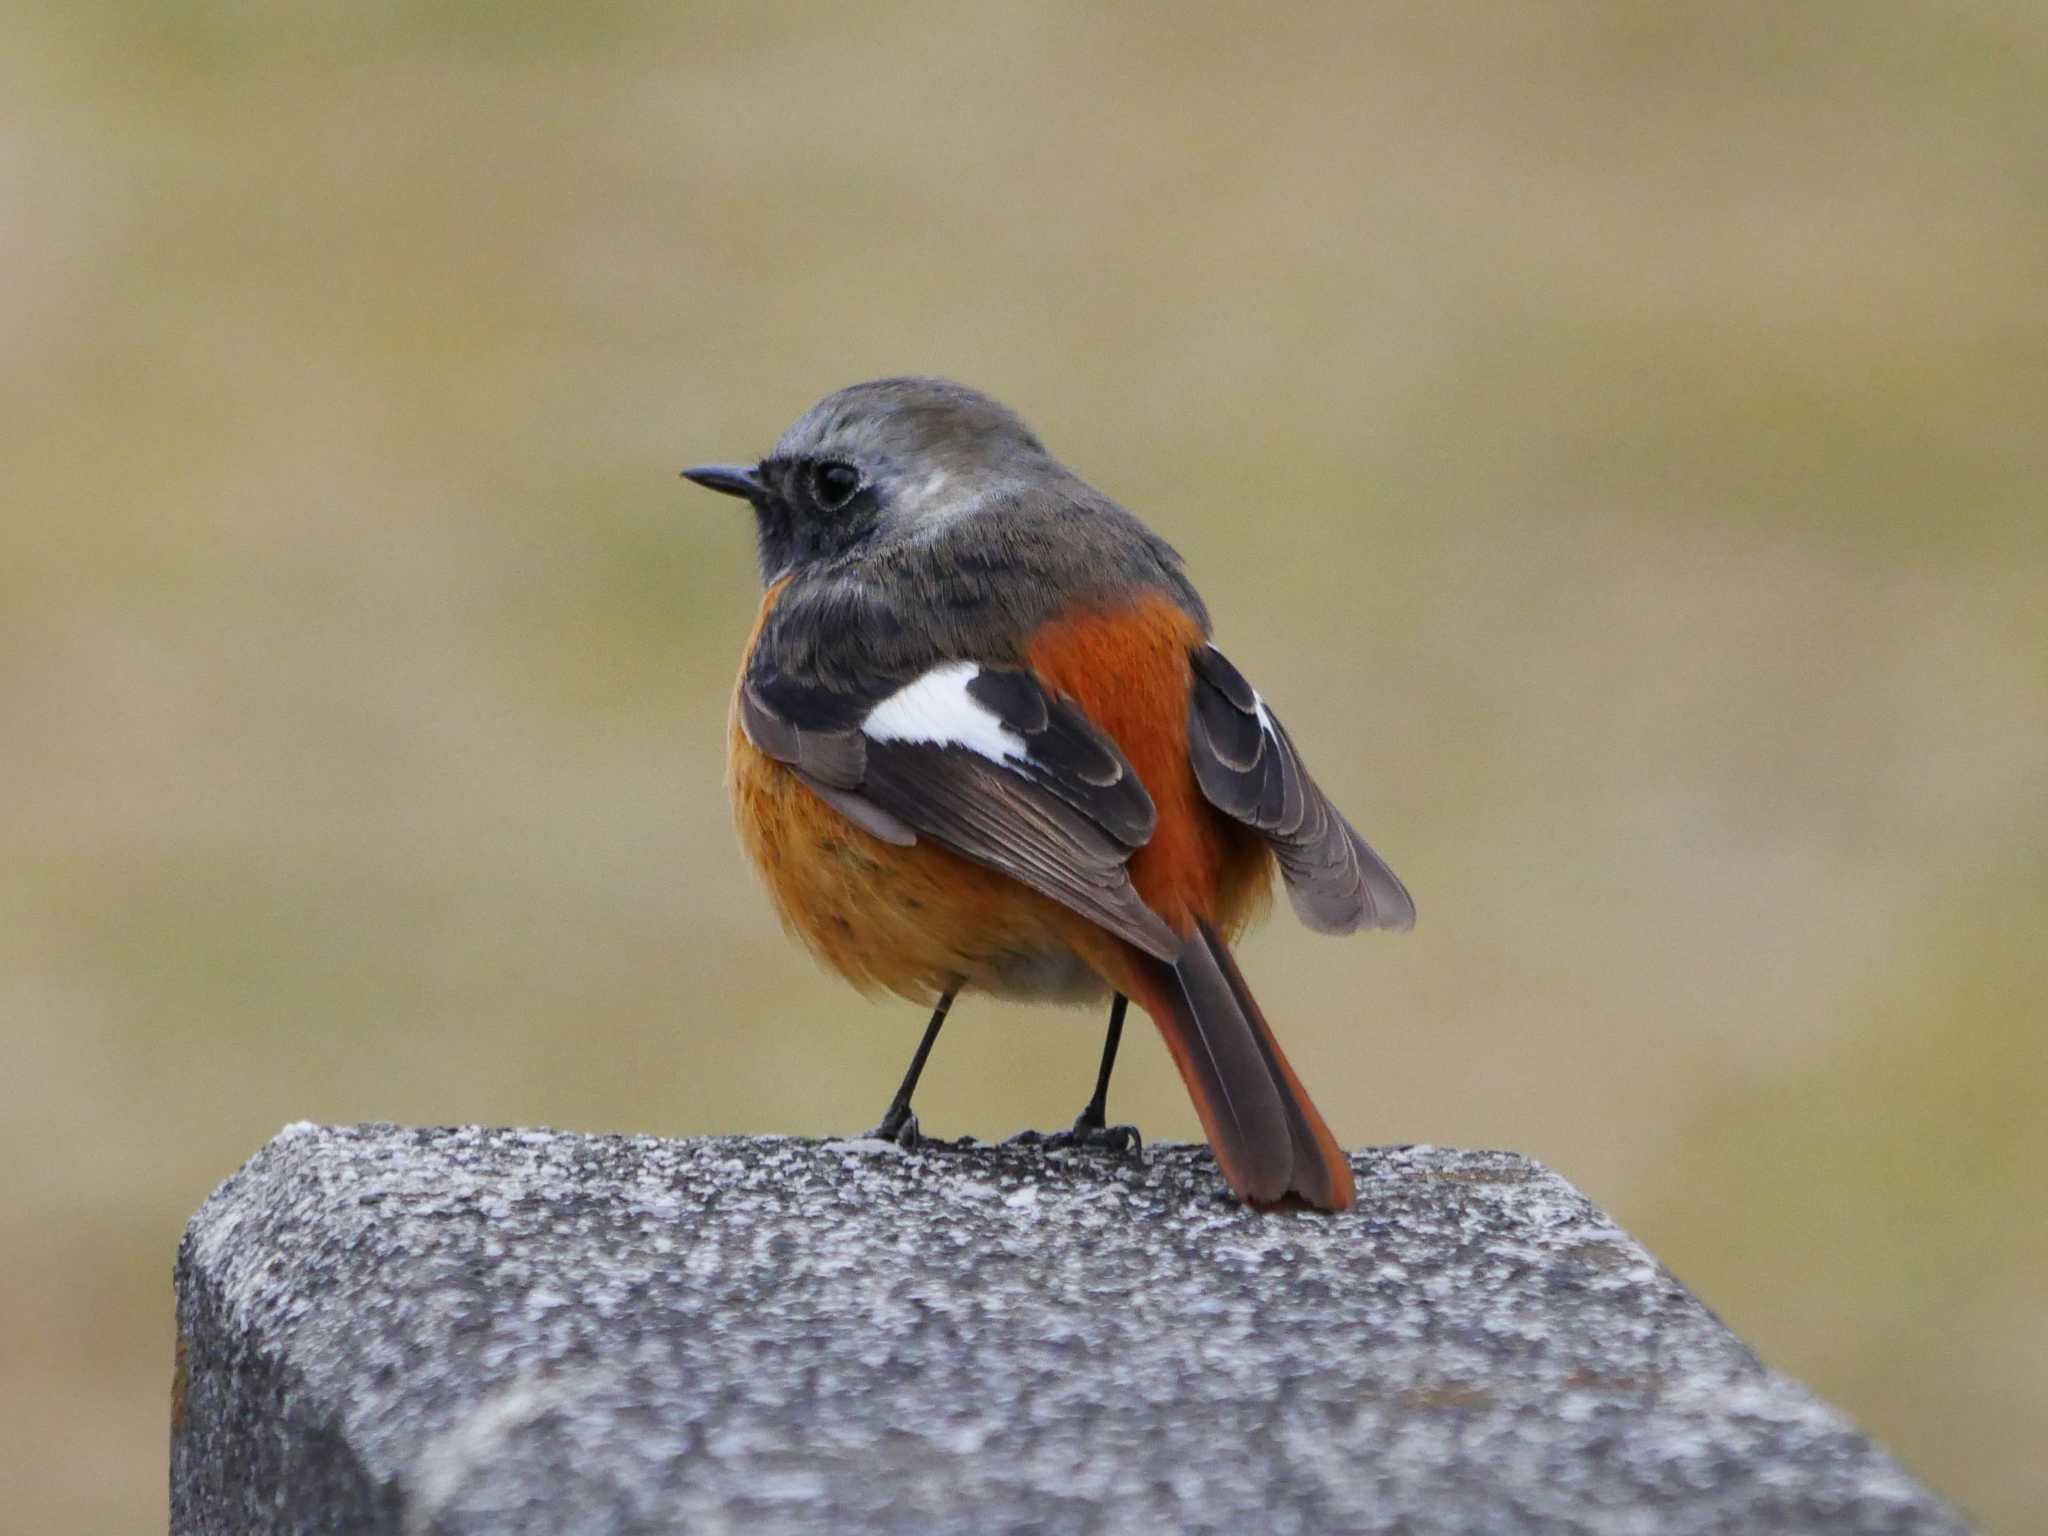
898, 1123
1091, 1126
1096, 1115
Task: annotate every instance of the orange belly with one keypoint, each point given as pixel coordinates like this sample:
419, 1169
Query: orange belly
915, 921
921, 920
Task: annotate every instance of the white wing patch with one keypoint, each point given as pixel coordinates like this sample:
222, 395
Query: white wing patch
936, 708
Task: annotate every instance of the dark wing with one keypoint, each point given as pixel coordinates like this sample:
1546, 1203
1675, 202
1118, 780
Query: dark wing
1249, 769
981, 760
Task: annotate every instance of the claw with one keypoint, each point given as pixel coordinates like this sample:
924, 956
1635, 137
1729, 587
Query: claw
1115, 1139
906, 1133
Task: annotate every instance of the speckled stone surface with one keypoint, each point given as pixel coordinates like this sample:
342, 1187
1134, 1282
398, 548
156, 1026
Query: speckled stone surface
389, 1330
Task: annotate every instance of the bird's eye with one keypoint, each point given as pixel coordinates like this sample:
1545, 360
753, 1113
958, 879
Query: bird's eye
833, 484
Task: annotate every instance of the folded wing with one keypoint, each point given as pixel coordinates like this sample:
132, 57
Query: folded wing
981, 760
1248, 768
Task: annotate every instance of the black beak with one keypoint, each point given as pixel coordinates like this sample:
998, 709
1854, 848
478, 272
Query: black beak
731, 479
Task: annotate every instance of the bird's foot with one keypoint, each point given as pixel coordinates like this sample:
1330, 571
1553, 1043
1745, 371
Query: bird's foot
901, 1129
1087, 1134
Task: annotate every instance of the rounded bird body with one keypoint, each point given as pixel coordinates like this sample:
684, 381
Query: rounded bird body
980, 741
920, 920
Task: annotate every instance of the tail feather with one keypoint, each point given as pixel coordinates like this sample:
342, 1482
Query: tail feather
1322, 1173
1226, 1074
1268, 1138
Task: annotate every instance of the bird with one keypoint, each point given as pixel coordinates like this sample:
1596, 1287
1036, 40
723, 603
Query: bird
981, 741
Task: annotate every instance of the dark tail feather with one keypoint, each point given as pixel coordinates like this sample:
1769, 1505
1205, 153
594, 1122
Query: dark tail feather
1322, 1173
1268, 1138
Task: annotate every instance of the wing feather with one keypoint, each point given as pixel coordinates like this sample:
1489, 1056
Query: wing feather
1249, 769
1060, 809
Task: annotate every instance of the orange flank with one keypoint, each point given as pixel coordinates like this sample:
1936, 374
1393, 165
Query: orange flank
1128, 669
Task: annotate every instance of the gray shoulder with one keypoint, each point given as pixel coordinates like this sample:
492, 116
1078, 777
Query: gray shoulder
975, 587
1037, 553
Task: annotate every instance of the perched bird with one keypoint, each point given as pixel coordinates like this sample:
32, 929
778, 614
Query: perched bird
980, 739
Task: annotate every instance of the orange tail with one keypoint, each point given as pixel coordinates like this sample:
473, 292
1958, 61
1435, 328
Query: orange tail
1268, 1138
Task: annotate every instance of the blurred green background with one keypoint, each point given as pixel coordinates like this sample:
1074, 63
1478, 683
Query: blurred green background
1612, 434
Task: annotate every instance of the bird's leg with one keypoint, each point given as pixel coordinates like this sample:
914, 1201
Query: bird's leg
1095, 1117
898, 1123
1091, 1127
